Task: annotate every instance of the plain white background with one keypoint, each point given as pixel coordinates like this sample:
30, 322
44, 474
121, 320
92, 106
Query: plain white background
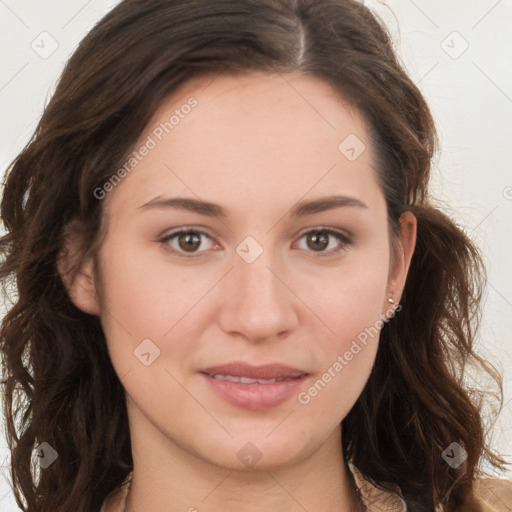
457, 51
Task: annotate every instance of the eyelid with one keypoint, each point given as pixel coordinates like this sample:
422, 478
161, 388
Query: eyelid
342, 236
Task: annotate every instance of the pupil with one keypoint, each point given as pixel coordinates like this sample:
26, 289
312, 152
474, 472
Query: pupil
190, 238
314, 237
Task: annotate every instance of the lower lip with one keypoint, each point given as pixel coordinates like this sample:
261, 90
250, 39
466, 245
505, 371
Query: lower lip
255, 397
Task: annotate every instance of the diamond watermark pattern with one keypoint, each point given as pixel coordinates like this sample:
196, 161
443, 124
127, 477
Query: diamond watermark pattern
454, 455
146, 352
249, 455
454, 45
249, 249
46, 455
45, 45
352, 147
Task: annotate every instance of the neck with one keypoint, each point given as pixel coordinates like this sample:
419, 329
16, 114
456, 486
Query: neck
179, 481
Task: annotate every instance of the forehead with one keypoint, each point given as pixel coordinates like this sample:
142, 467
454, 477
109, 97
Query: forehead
249, 135
291, 105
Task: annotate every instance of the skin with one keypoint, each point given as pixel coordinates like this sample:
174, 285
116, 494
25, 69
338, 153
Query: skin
256, 145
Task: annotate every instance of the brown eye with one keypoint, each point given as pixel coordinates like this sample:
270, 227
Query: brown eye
318, 240
188, 242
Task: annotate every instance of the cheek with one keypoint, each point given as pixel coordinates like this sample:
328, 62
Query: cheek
349, 304
345, 354
152, 300
348, 298
144, 296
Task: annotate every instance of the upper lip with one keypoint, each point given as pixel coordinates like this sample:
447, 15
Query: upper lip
265, 371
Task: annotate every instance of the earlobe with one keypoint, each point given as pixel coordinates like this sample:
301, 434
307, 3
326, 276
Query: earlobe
78, 277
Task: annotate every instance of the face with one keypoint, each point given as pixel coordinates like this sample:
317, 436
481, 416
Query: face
282, 276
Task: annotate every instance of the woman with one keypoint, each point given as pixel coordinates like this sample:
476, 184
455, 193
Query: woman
233, 292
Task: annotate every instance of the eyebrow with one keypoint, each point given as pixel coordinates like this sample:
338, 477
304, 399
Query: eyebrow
209, 209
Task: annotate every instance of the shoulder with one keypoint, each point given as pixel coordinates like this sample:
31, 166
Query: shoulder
374, 499
495, 494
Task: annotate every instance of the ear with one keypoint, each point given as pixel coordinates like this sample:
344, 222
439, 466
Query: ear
402, 261
78, 273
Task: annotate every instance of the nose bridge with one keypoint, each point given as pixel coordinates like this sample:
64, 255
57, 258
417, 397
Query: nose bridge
255, 274
258, 304
256, 278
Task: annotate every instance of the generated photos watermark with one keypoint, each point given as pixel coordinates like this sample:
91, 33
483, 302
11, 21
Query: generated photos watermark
151, 142
304, 397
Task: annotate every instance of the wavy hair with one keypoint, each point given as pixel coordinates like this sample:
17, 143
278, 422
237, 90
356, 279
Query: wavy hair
59, 385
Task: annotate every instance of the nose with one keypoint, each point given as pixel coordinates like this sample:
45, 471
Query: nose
259, 303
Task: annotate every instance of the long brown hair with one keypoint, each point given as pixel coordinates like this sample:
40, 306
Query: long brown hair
59, 384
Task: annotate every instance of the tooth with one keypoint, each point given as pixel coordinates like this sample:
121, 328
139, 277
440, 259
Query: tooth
247, 380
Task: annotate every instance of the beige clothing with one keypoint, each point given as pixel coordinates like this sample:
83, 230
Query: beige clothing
495, 494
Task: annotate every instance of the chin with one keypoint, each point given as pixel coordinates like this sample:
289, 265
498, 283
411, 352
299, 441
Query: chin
257, 453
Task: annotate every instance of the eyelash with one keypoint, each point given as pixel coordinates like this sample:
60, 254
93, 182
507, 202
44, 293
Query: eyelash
341, 236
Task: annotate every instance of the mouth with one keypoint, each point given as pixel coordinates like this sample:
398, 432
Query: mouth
248, 380
265, 372
254, 387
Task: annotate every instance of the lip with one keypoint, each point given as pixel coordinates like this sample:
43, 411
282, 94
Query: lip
264, 371
256, 396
